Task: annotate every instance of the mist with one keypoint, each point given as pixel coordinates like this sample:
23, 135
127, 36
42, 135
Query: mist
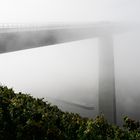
70, 72
62, 72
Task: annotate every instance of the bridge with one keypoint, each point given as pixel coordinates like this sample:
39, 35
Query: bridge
20, 37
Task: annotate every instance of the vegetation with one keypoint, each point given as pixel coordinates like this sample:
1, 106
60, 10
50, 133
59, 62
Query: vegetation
23, 117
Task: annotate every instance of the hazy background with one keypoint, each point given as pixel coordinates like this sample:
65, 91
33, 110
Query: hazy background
70, 71
44, 11
67, 72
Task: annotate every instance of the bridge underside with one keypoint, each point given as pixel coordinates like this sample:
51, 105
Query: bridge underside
14, 39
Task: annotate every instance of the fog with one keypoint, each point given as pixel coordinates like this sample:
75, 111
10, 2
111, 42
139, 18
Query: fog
127, 74
70, 72
67, 72
68, 11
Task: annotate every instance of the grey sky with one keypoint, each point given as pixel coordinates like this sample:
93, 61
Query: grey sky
44, 11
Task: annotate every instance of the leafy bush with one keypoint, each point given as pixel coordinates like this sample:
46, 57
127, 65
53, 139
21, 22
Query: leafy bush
23, 117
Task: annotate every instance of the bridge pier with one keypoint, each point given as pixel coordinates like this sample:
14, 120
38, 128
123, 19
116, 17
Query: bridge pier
2, 43
107, 99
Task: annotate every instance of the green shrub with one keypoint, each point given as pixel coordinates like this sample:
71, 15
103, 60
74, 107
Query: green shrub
23, 117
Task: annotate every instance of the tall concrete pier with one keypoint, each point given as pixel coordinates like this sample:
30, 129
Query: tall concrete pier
107, 100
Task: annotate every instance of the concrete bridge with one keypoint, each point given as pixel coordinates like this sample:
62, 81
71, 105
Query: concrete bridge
20, 37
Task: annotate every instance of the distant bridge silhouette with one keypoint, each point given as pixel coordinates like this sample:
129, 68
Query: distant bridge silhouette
15, 37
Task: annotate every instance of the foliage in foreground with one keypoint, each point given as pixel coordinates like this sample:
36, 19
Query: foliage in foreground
23, 117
